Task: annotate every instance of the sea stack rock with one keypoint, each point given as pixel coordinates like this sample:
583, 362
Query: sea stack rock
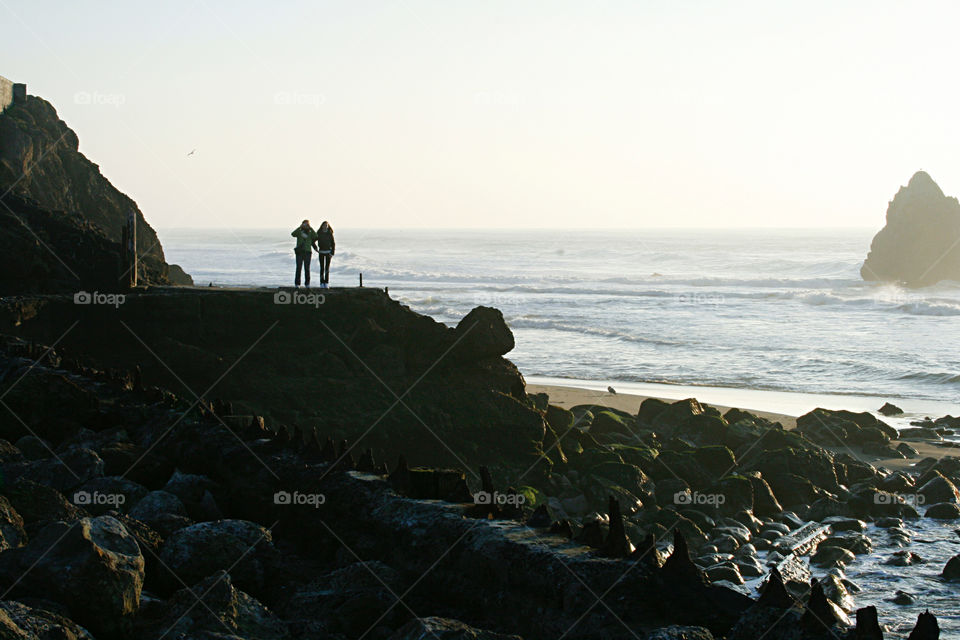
920, 244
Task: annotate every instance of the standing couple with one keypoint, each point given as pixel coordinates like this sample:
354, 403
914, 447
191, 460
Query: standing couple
308, 241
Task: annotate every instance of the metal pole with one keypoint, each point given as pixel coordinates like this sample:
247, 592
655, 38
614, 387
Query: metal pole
132, 247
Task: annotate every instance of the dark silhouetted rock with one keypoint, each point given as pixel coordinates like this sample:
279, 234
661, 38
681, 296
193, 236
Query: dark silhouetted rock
445, 629
60, 197
926, 628
943, 511
868, 626
481, 334
918, 245
951, 571
890, 409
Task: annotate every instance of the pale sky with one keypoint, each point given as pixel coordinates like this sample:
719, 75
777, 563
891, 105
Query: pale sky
501, 113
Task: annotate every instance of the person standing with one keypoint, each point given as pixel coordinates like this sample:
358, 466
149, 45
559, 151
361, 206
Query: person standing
306, 237
326, 247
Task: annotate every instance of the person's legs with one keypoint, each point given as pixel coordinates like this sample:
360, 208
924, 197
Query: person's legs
306, 268
325, 261
296, 279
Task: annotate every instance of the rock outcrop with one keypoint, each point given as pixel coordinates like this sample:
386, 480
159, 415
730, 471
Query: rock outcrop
62, 220
920, 244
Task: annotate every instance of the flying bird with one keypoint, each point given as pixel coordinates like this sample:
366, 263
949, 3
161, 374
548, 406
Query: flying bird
612, 390
191, 153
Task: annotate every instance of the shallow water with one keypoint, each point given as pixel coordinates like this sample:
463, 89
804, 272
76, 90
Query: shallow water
933, 541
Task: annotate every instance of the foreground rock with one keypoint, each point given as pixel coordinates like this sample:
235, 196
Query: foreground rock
445, 629
918, 246
93, 566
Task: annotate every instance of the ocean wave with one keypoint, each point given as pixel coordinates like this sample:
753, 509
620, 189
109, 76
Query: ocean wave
923, 308
543, 323
936, 378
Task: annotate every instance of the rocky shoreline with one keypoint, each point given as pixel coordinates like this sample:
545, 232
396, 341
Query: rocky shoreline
133, 511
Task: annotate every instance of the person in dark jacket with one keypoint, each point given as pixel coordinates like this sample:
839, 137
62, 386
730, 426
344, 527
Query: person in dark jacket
306, 238
326, 247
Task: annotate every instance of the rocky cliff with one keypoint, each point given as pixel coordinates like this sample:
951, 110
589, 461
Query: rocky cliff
54, 200
920, 244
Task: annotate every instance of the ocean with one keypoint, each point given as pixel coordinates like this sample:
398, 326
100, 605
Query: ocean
780, 311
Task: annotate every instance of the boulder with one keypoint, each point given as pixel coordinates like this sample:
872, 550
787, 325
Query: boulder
244, 548
680, 633
951, 572
943, 511
66, 472
482, 334
12, 533
904, 558
832, 557
889, 409
40, 505
447, 629
162, 511
92, 566
918, 244
939, 489
108, 493
21, 622
210, 608
350, 599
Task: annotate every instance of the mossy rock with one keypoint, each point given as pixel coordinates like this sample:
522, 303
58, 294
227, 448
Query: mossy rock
650, 409
636, 455
592, 457
559, 419
626, 475
539, 401
737, 491
630, 502
716, 459
533, 497
583, 414
606, 422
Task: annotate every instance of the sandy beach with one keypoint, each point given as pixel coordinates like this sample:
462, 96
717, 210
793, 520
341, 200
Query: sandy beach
567, 397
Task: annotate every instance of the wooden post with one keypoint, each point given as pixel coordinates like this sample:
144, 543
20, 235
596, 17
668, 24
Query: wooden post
361, 280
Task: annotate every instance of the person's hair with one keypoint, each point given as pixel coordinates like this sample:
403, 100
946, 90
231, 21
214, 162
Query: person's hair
307, 222
327, 225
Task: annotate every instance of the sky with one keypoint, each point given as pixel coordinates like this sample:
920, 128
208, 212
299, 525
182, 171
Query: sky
499, 114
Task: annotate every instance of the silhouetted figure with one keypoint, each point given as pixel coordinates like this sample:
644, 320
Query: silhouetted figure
306, 237
326, 247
